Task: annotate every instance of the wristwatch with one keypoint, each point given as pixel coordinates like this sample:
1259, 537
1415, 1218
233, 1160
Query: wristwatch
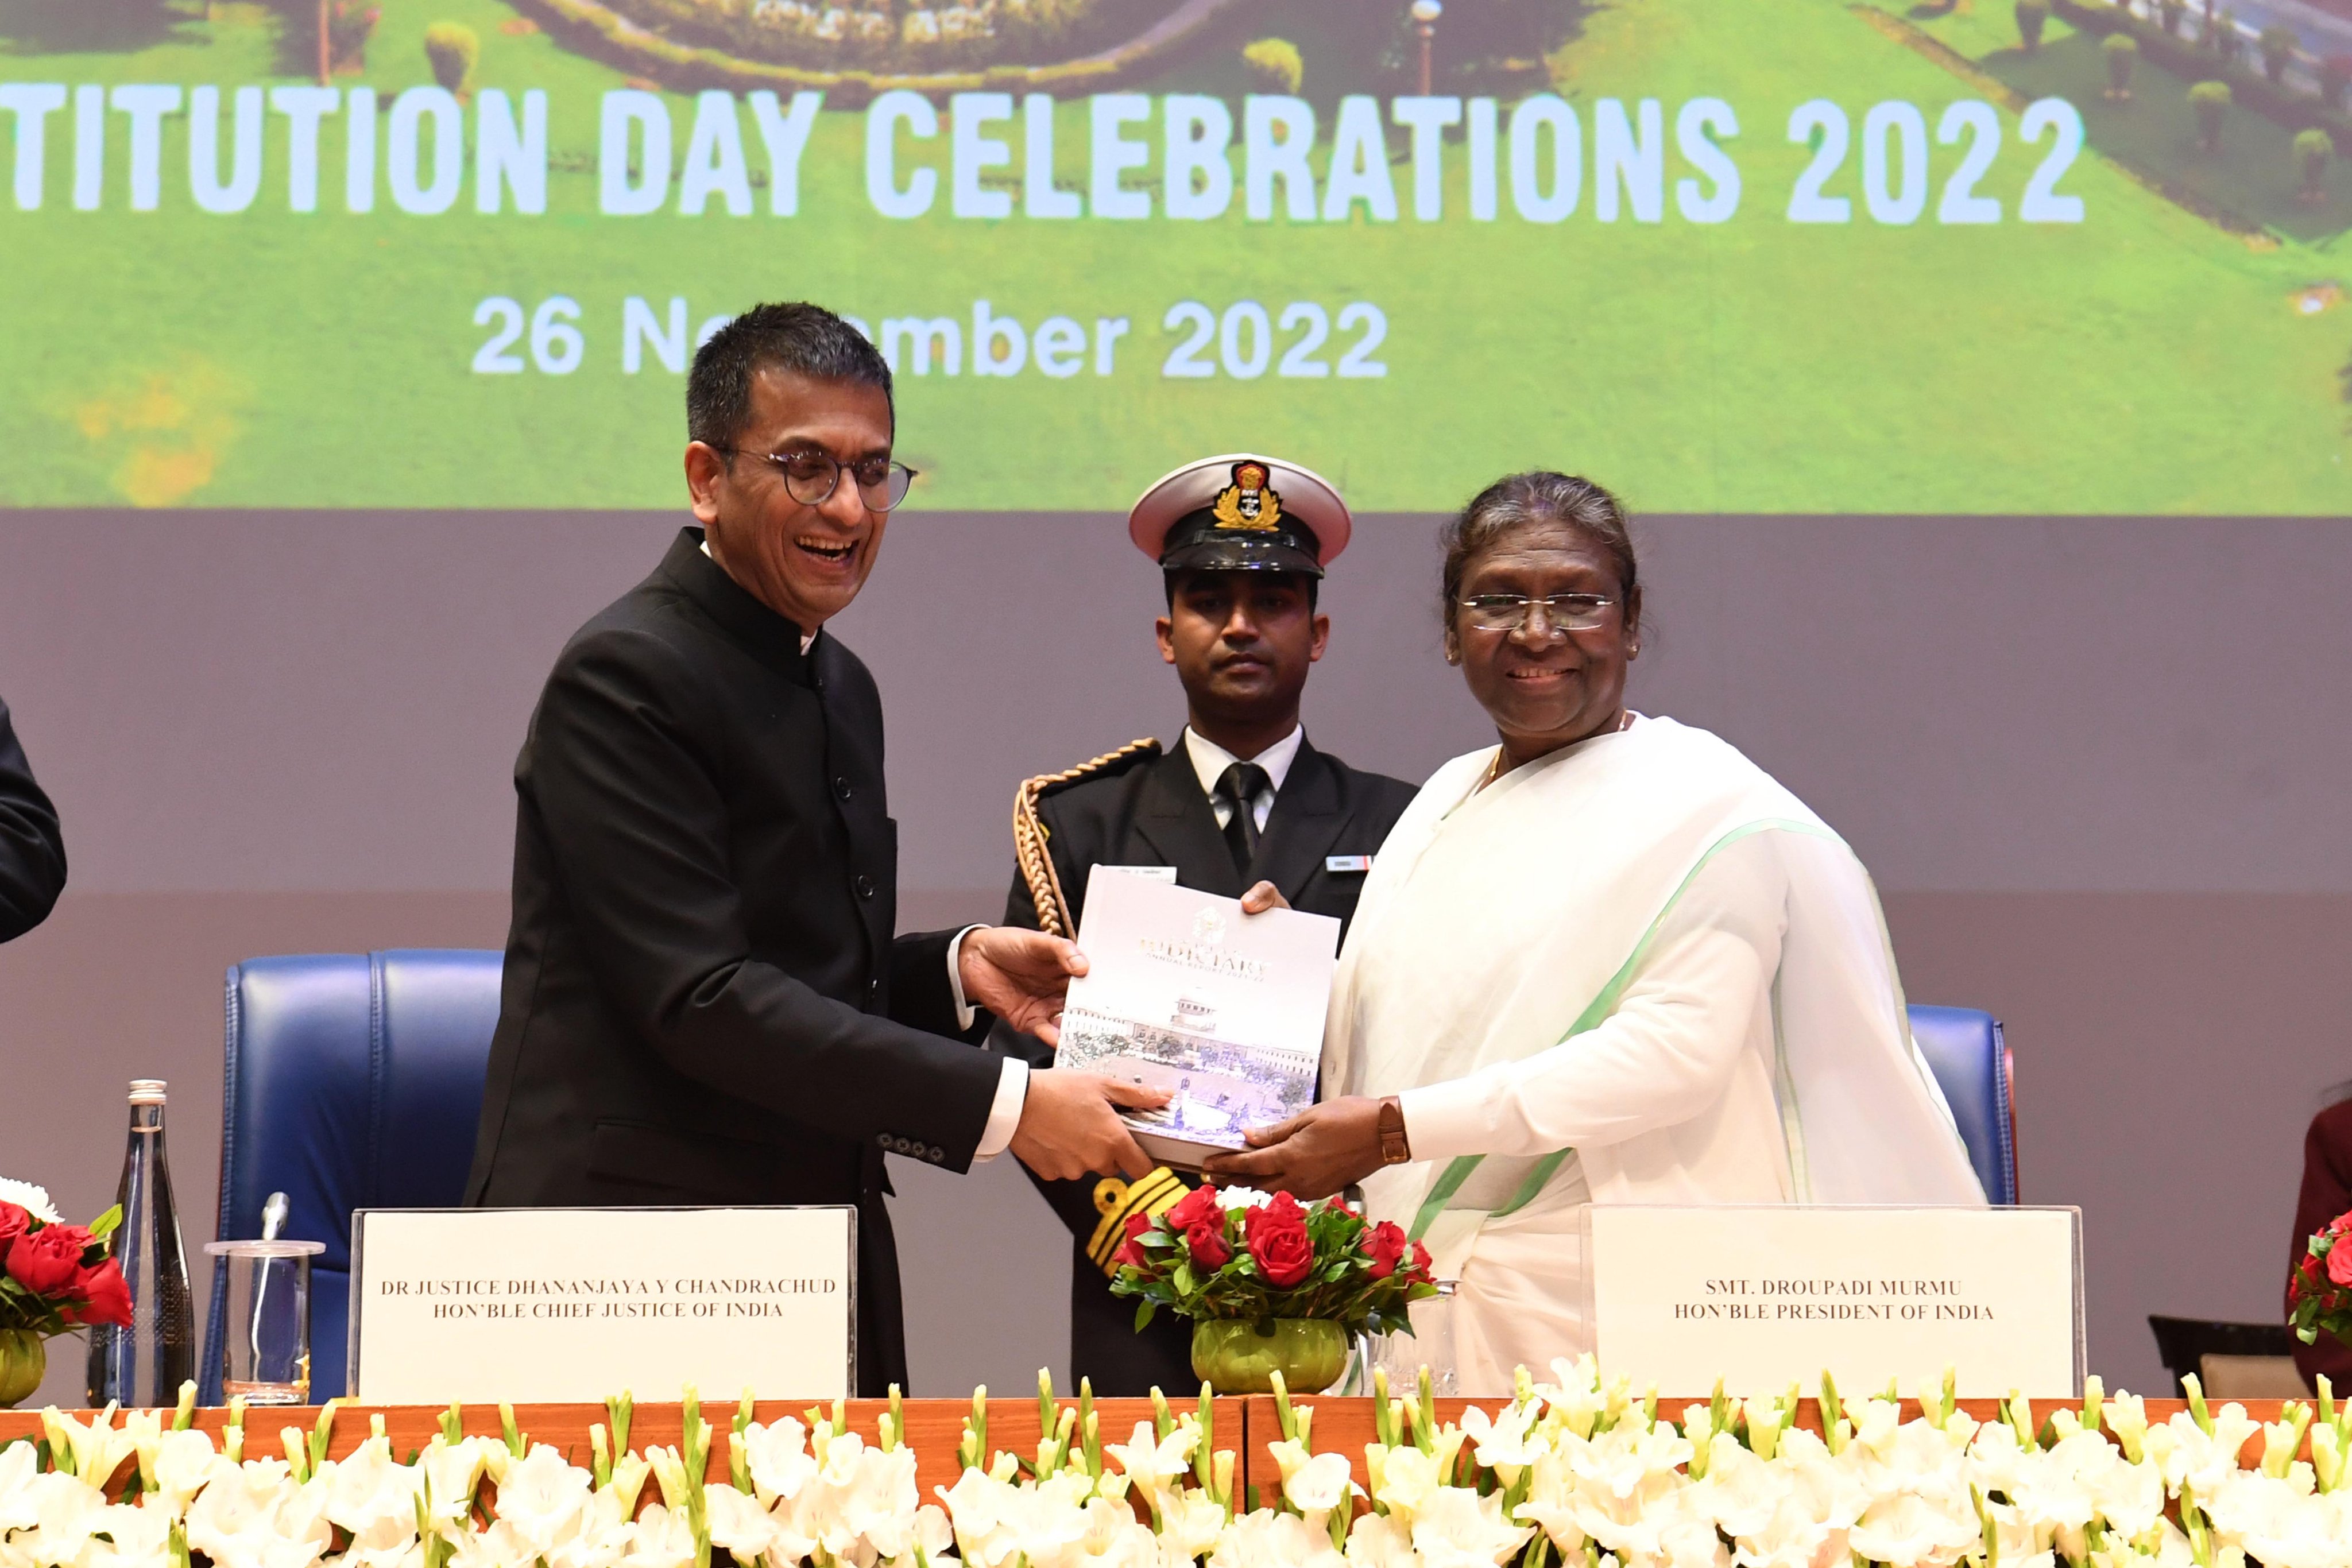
1395, 1150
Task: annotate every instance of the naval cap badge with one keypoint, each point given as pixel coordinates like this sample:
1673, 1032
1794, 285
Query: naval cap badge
1248, 502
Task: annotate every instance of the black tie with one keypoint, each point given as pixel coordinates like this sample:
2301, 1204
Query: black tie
1238, 787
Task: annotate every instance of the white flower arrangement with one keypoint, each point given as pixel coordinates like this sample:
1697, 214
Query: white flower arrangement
1569, 1472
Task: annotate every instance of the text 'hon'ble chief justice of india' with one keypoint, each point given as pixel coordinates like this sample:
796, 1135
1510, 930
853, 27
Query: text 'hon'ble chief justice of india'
1242, 798
1608, 960
703, 1000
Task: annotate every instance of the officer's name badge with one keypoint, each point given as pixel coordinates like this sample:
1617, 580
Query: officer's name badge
1347, 863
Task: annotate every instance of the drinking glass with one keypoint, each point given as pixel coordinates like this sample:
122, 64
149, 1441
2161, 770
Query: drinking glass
1430, 1344
266, 1335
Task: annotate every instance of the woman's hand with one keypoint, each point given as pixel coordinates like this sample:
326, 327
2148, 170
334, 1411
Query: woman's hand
1262, 897
1313, 1154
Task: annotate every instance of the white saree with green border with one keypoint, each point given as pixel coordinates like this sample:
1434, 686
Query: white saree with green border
1637, 970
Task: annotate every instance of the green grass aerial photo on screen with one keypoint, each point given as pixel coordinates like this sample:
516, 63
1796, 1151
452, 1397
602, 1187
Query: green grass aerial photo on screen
1962, 257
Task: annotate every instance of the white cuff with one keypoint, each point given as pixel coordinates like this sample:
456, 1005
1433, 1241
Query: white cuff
1004, 1114
964, 1009
1450, 1118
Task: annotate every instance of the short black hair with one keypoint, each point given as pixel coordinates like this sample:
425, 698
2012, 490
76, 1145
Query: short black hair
1174, 580
806, 339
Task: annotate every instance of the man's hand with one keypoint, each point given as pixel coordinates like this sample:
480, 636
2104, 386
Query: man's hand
1313, 1154
1262, 897
1020, 976
1070, 1126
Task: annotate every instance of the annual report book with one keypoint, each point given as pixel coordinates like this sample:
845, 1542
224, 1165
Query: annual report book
1185, 992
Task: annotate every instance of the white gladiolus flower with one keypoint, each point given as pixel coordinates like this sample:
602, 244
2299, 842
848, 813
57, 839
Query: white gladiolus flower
1505, 1443
19, 1507
2279, 1523
258, 1519
384, 1543
1155, 1465
541, 1498
1551, 1505
185, 1463
65, 1509
883, 1506
34, 1200
453, 1471
98, 1447
1406, 1481
1460, 1529
1380, 1541
662, 1539
779, 1459
1190, 1523
1115, 1537
2192, 1458
1314, 1484
602, 1535
738, 1524
1907, 1530
981, 1509
137, 1537
1741, 1493
2130, 1497
1576, 1396
368, 1489
1264, 1539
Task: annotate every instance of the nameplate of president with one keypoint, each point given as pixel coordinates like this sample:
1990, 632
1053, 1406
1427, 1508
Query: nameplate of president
1767, 1295
574, 1305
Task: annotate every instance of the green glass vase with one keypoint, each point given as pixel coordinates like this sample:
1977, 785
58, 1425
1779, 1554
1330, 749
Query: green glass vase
24, 1361
1237, 1356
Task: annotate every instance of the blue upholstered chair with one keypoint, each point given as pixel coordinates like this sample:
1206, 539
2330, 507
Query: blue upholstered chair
353, 1083
1965, 1050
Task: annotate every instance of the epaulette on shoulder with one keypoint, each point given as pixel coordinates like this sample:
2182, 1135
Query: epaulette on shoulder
1029, 833
1109, 765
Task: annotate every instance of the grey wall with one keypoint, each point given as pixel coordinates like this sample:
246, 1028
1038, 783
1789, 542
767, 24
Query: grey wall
2096, 765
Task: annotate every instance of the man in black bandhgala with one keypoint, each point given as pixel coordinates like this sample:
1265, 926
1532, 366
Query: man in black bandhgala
32, 850
703, 1000
1242, 798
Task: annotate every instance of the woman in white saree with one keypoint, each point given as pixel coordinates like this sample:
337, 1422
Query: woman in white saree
1609, 960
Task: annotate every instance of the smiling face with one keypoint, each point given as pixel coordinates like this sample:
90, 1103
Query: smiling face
1241, 643
1546, 688
807, 563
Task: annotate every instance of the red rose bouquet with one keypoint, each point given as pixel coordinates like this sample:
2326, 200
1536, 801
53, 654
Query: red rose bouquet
2319, 1294
1232, 1253
53, 1277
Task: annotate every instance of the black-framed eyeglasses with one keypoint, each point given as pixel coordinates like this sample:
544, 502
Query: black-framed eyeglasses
1562, 612
811, 476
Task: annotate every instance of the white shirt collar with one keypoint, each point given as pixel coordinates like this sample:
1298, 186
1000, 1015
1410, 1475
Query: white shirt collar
714, 560
1210, 760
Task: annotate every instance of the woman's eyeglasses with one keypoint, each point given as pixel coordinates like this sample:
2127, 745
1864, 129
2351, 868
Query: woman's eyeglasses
1561, 612
811, 477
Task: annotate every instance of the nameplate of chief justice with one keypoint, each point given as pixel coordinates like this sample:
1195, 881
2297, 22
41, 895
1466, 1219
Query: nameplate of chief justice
1605, 960
569, 1305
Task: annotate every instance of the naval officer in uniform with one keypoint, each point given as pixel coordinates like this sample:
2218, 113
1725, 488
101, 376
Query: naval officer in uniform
1242, 798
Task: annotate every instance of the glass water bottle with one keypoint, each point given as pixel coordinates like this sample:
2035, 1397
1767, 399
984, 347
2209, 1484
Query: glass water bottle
143, 1365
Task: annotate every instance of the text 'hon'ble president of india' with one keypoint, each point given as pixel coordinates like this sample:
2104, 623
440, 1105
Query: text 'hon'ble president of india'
1607, 960
1242, 543
703, 1000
